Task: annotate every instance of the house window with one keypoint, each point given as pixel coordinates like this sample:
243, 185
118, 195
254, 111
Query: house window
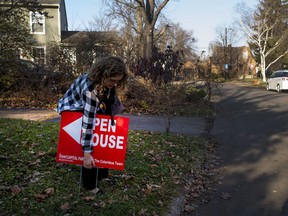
37, 23
39, 55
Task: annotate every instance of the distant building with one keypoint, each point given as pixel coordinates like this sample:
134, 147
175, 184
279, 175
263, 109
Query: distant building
234, 62
229, 62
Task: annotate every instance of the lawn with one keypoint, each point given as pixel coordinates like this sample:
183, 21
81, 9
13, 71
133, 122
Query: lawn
32, 183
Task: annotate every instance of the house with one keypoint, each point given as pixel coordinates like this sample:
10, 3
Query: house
47, 29
233, 62
229, 62
49, 26
90, 45
46, 23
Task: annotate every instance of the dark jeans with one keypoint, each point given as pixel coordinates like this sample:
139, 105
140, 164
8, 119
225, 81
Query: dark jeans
89, 177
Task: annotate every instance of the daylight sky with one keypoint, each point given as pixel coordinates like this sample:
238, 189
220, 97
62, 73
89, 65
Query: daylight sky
200, 16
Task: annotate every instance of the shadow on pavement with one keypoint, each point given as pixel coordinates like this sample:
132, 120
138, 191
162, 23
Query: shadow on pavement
252, 131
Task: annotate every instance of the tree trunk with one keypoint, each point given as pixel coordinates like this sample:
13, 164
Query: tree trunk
148, 42
263, 67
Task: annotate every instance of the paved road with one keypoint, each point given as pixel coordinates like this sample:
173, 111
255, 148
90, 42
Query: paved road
252, 131
189, 126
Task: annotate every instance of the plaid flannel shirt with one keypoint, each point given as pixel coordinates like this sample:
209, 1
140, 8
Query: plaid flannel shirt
81, 97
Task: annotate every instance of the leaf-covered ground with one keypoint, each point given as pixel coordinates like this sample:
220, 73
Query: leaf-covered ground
140, 97
156, 169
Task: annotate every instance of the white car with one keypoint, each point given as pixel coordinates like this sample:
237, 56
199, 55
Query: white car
278, 81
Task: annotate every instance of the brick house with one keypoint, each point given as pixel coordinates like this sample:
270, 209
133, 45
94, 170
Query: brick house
235, 62
232, 62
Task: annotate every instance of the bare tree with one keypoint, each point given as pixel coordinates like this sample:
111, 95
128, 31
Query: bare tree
260, 27
226, 35
222, 47
101, 23
178, 39
142, 16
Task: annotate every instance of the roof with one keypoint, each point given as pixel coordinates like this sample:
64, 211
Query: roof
49, 1
42, 3
39, 1
74, 36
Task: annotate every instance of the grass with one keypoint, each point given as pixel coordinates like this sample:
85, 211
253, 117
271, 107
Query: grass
32, 183
254, 82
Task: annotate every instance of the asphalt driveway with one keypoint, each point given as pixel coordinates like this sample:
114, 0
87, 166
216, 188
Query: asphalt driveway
251, 129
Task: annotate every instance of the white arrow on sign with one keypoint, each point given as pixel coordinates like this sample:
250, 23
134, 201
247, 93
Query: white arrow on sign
74, 129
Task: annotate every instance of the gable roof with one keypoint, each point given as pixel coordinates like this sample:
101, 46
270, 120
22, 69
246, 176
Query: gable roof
38, 1
49, 1
74, 36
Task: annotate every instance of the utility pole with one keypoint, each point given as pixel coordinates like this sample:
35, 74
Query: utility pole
226, 42
226, 65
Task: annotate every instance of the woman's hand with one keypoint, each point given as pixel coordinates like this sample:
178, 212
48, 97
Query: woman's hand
88, 161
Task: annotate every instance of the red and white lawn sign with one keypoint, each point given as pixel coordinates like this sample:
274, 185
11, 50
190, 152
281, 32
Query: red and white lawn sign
109, 141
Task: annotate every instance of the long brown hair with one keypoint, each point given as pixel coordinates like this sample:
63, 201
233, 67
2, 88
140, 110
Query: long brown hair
108, 67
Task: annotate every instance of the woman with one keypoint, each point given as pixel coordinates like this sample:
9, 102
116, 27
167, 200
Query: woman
91, 93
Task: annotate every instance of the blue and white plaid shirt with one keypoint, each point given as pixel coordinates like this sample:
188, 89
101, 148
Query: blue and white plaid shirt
82, 97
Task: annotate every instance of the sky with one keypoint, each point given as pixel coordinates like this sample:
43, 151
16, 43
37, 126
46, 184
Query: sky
200, 16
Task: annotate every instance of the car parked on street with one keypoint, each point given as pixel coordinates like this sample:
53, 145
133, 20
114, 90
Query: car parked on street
278, 81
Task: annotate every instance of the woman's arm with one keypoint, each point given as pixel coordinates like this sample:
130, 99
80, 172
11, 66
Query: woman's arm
90, 103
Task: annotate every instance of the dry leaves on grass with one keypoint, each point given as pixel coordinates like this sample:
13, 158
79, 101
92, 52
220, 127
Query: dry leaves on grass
46, 193
201, 183
150, 188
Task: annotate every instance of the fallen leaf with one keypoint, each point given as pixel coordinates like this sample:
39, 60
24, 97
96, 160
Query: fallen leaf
225, 195
89, 198
143, 212
34, 180
40, 197
15, 190
50, 191
102, 204
65, 206
154, 186
189, 208
40, 154
148, 189
125, 197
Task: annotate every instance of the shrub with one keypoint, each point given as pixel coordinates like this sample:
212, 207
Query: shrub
194, 95
160, 68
